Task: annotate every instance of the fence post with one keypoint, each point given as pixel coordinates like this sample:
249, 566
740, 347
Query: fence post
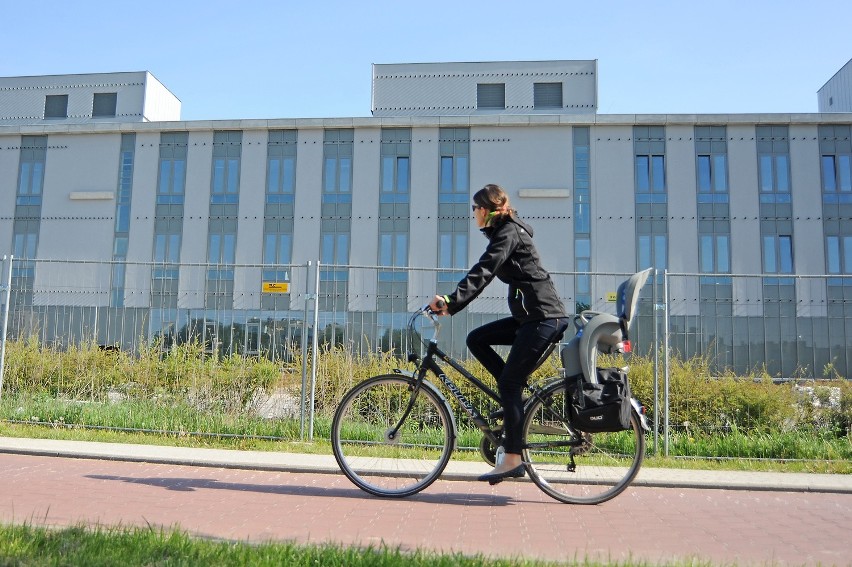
315, 348
657, 306
7, 288
304, 353
666, 354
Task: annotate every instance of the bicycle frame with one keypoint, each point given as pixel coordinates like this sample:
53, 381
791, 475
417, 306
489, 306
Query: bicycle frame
428, 364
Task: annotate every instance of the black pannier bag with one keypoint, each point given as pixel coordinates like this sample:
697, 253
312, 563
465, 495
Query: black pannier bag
600, 407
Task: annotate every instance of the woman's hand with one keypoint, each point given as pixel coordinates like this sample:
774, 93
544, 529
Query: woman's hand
438, 305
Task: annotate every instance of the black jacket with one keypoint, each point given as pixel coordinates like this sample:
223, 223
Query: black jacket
512, 258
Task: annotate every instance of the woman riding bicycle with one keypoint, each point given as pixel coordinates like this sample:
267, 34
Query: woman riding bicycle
538, 315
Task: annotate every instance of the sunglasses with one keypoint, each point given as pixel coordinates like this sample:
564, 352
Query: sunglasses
474, 207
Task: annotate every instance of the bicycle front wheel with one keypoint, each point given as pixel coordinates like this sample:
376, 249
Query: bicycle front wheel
380, 448
586, 469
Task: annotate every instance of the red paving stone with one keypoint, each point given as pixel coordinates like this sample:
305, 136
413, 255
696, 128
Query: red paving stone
507, 520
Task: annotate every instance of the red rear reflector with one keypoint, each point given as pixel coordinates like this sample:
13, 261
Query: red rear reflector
626, 346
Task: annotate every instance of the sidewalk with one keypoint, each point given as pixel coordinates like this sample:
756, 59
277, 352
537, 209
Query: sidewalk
456, 470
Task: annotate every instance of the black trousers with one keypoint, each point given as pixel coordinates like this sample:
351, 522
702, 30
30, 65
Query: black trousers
528, 341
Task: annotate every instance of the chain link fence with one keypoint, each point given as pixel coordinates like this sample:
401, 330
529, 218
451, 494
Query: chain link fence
296, 318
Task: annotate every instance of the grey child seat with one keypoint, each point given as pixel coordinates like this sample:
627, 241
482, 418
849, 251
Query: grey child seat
602, 332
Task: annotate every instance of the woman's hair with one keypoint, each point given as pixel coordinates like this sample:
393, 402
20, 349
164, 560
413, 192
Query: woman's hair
494, 199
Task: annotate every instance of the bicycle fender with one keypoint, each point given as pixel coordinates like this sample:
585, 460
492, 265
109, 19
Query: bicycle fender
643, 419
441, 398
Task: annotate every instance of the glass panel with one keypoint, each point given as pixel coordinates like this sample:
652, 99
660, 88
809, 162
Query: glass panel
445, 251
385, 250
844, 168
785, 250
828, 177
582, 223
165, 174
460, 251
24, 184
720, 173
342, 252
782, 170
769, 262
269, 246
330, 175
401, 250
327, 252
387, 174
462, 177
288, 175
446, 174
705, 254
218, 175
766, 184
659, 173
402, 174
832, 246
723, 255
660, 251
703, 173
160, 248
174, 248
233, 175
122, 218
644, 252
284, 247
274, 175
38, 177
214, 253
345, 175
582, 248
847, 254
642, 172
179, 176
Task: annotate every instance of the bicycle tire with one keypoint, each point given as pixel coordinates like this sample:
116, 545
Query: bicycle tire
605, 463
396, 467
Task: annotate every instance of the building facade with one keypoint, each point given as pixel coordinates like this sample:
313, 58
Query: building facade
752, 213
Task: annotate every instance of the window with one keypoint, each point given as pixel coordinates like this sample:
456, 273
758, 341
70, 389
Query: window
711, 149
225, 185
170, 187
452, 255
393, 253
337, 165
839, 254
547, 95
652, 251
281, 166
778, 254
56, 106
836, 163
773, 159
103, 105
649, 144
491, 96
454, 177
714, 254
122, 217
31, 170
395, 166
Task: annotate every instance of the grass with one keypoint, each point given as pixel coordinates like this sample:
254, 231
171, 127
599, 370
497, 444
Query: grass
26, 545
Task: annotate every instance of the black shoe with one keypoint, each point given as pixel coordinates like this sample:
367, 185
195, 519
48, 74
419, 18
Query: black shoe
493, 478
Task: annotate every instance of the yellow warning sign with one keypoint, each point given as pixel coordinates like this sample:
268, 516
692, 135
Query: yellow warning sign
276, 287
611, 296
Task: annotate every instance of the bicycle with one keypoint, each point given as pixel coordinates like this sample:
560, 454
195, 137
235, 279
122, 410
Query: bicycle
393, 434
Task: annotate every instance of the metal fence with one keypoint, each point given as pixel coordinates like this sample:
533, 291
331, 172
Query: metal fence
783, 327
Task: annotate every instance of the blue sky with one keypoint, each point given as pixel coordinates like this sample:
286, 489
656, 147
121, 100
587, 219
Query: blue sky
288, 59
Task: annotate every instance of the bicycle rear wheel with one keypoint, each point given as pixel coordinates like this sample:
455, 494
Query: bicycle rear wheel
604, 463
375, 458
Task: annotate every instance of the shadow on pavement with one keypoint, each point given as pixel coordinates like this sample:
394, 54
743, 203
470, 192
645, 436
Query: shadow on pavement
191, 484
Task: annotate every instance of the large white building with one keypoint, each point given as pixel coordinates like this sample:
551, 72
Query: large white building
222, 207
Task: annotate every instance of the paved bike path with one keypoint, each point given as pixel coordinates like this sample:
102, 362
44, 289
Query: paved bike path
255, 498
456, 469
